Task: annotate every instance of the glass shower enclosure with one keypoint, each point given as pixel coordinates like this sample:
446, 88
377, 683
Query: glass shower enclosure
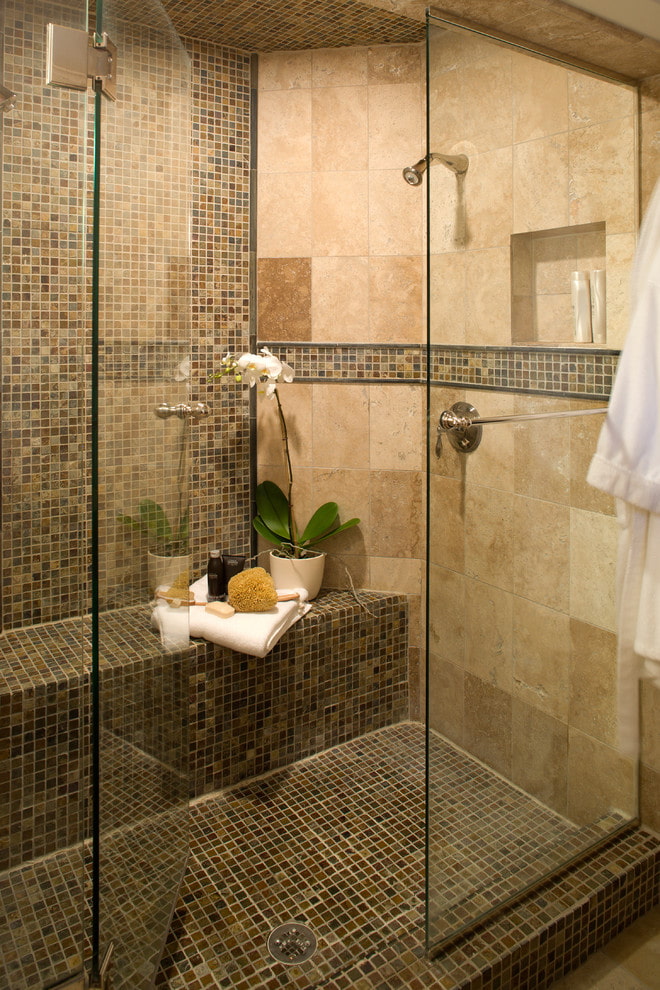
94, 508
521, 617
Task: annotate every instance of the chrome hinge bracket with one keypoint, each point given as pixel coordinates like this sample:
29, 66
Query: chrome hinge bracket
74, 58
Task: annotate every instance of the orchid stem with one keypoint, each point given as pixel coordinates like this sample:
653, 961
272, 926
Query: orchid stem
289, 470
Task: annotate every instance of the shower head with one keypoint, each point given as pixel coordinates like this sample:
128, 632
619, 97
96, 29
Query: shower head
413, 174
455, 163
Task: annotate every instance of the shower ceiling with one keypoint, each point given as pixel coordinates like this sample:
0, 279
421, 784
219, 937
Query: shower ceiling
287, 25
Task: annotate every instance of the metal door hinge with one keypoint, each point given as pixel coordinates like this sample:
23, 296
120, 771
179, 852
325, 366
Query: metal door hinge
74, 58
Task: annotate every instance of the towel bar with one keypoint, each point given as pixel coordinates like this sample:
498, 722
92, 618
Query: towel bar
463, 424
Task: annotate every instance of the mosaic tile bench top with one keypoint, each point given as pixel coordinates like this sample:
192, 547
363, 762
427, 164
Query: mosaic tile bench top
339, 672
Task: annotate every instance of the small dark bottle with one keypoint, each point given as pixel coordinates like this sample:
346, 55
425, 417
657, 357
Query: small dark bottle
233, 563
216, 577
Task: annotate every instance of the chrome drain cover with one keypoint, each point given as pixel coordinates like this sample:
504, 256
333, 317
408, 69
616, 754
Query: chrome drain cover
291, 943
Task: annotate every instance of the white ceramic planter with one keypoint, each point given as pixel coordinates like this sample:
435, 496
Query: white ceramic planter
167, 571
298, 572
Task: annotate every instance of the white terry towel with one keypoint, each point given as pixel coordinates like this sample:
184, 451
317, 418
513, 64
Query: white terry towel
254, 633
627, 465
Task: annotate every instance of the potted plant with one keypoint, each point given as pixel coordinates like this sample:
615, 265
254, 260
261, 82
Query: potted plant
296, 552
168, 562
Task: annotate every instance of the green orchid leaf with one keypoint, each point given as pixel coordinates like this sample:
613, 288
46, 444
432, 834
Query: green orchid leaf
154, 520
265, 531
338, 529
273, 508
323, 519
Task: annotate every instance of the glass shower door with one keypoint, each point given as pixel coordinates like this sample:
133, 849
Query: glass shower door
140, 497
524, 771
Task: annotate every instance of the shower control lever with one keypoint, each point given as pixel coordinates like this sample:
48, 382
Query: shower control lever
184, 410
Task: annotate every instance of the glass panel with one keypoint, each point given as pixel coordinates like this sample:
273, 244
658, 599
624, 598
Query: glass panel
524, 772
143, 347
43, 688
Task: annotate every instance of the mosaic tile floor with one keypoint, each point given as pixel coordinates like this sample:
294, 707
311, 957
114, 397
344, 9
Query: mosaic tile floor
337, 842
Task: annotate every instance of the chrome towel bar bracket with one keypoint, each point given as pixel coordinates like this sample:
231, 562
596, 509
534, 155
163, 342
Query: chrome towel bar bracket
462, 424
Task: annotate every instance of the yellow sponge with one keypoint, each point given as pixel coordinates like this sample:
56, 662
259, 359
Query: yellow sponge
252, 590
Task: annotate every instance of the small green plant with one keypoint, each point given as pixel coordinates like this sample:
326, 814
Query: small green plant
165, 539
274, 521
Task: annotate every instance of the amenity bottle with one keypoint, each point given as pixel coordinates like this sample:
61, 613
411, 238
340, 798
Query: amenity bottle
215, 573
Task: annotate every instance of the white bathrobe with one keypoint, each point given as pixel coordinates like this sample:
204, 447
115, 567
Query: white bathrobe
627, 465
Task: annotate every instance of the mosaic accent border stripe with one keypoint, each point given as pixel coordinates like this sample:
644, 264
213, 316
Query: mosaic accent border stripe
560, 371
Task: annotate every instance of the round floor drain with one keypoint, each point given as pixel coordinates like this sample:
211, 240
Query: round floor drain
291, 943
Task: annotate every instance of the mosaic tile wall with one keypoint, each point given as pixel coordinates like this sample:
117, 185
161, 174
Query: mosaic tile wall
43, 318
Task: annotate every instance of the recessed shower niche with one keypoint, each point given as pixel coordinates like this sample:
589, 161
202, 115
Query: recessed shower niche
542, 262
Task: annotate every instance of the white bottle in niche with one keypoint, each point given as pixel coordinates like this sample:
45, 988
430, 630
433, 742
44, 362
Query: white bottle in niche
581, 307
598, 319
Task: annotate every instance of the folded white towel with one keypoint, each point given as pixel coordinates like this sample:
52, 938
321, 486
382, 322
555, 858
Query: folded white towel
254, 633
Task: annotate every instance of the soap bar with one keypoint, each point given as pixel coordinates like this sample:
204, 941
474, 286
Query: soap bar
223, 609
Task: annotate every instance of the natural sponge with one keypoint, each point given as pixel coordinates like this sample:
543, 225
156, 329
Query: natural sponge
252, 590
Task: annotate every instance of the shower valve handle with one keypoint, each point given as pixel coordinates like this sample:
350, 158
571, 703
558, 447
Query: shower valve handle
184, 410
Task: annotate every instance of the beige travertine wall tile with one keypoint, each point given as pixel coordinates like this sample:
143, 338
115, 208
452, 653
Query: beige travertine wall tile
449, 213
285, 70
446, 536
650, 717
398, 574
395, 64
395, 215
541, 552
339, 129
620, 253
338, 67
650, 150
397, 503
488, 297
540, 98
340, 426
592, 688
594, 539
599, 780
539, 203
446, 696
447, 614
487, 716
491, 464
340, 205
489, 199
488, 634
296, 399
486, 102
284, 218
600, 185
542, 450
284, 298
340, 299
583, 433
554, 319
539, 755
489, 536
448, 298
554, 258
396, 428
284, 131
649, 793
541, 658
338, 568
592, 100
445, 102
395, 125
348, 489
396, 304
